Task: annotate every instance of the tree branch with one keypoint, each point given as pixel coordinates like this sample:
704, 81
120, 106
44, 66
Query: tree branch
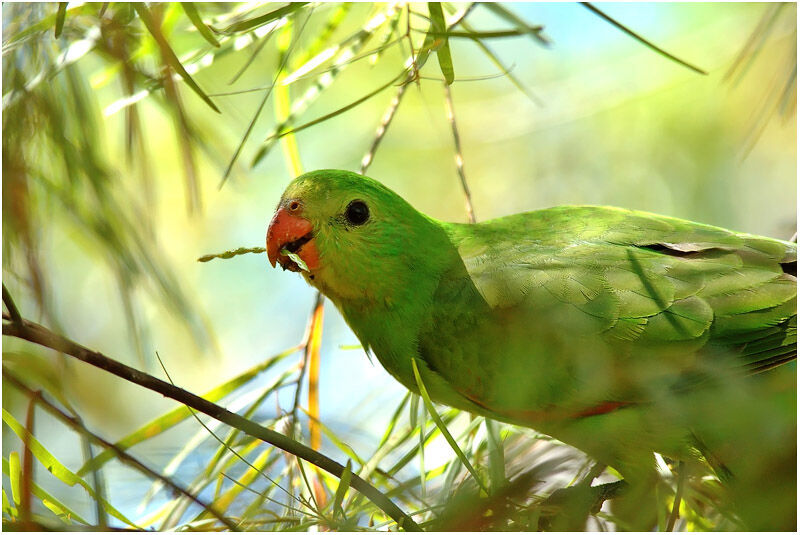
33, 332
75, 424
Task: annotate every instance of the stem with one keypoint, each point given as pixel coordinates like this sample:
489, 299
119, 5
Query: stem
78, 426
33, 332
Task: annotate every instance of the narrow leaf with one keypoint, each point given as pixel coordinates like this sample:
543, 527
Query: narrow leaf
255, 22
443, 51
55, 467
14, 476
60, 18
191, 12
169, 55
443, 428
341, 490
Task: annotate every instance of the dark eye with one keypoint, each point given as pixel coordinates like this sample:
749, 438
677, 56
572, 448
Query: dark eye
357, 213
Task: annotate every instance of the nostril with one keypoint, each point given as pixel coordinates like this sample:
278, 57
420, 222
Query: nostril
294, 206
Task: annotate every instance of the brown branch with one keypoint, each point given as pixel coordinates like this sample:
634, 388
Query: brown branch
38, 334
123, 456
13, 312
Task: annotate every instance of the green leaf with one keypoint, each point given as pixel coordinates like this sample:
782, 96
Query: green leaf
443, 51
61, 15
443, 428
255, 22
341, 490
55, 467
8, 509
295, 258
191, 12
14, 476
169, 55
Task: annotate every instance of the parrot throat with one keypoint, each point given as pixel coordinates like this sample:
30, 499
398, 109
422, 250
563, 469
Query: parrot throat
394, 303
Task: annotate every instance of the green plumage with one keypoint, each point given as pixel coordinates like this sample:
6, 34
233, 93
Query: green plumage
587, 323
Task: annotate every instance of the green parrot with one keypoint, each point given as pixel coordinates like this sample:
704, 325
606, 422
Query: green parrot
604, 328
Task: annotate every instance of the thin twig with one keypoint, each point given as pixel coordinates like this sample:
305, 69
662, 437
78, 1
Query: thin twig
123, 456
33, 332
383, 127
451, 117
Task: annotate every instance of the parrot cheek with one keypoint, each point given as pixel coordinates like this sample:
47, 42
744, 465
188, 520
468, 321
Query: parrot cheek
310, 255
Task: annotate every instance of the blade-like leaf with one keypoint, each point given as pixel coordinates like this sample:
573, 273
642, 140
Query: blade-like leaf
169, 55
443, 50
61, 16
191, 12
55, 467
341, 490
443, 428
48, 500
255, 22
14, 476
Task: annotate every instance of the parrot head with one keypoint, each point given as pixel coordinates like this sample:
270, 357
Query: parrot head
357, 238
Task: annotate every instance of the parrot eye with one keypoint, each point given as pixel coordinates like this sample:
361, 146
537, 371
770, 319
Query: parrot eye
357, 213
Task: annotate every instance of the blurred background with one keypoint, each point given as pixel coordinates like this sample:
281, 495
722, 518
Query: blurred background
118, 175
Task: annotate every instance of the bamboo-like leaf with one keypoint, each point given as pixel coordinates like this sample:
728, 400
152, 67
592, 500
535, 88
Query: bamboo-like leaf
443, 50
61, 16
45, 24
48, 500
641, 39
535, 32
15, 476
341, 490
443, 428
487, 34
167, 421
8, 509
55, 467
255, 22
169, 55
191, 12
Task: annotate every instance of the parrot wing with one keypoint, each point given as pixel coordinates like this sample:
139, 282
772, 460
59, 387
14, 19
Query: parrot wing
644, 283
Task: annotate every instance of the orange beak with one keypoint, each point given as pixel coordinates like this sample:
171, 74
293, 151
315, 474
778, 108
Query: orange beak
293, 233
